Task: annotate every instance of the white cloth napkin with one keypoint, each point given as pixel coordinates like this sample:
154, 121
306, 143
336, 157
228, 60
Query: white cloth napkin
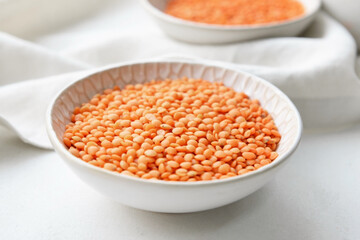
317, 71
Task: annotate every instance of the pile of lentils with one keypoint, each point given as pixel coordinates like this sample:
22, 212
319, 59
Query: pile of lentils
173, 130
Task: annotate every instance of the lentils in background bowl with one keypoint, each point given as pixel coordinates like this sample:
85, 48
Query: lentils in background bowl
173, 130
235, 12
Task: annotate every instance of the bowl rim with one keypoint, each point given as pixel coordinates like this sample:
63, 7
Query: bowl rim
166, 17
59, 147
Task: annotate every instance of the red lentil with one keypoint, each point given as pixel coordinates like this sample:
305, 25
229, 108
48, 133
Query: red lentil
235, 12
173, 130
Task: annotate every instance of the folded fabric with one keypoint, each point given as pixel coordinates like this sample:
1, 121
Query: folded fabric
317, 71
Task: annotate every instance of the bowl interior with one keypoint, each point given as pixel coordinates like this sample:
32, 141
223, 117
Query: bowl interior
311, 6
273, 100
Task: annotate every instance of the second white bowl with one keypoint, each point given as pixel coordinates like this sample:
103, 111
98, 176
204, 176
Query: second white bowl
215, 34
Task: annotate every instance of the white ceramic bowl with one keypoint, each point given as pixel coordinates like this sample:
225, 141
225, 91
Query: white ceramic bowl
163, 196
193, 32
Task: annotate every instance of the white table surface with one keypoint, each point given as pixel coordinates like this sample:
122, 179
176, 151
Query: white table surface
316, 196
